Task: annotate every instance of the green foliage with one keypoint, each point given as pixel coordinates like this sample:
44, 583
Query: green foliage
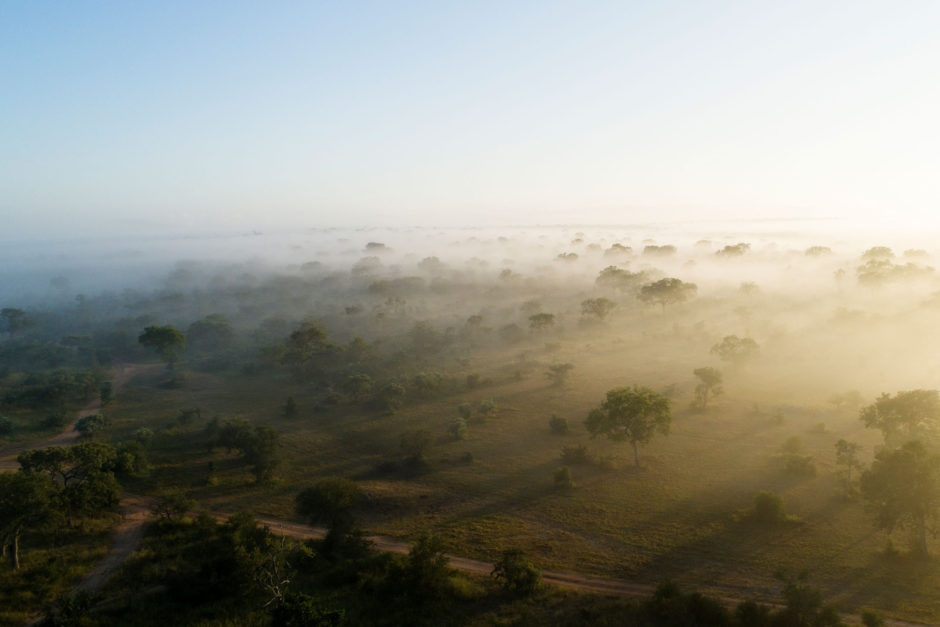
465, 410
166, 340
173, 505
26, 501
516, 575
616, 278
213, 332
259, 445
902, 489
562, 476
458, 429
736, 349
631, 414
558, 425
905, 416
768, 508
426, 574
540, 321
597, 307
575, 455
357, 386
667, 291
92, 426
330, 501
709, 386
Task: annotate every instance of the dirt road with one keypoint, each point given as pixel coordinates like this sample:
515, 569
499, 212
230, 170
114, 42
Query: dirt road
123, 374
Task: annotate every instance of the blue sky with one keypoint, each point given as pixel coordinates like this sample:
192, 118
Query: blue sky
194, 115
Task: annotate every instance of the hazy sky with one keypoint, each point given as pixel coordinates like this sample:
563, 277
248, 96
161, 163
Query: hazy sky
126, 115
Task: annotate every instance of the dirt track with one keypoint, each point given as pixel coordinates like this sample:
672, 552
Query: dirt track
124, 373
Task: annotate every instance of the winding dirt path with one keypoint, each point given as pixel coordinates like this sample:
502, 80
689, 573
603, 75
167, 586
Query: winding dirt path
123, 374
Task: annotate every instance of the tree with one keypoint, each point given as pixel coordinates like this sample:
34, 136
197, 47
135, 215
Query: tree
667, 292
558, 425
357, 386
539, 321
597, 307
458, 429
26, 501
16, 319
165, 340
465, 410
558, 373
516, 574
619, 279
306, 346
261, 451
905, 416
709, 385
173, 505
92, 426
631, 414
847, 456
736, 349
426, 568
902, 488
330, 501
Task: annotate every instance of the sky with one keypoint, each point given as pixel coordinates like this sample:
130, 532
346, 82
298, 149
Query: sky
120, 117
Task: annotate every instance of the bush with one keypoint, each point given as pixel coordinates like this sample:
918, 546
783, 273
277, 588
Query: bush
6, 426
768, 507
516, 574
290, 407
563, 477
458, 429
487, 407
800, 465
558, 425
465, 410
575, 455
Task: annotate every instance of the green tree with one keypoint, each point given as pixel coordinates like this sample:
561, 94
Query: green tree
166, 340
357, 386
427, 573
465, 410
414, 444
847, 457
330, 501
26, 501
516, 574
306, 349
709, 386
539, 321
211, 333
736, 349
597, 307
667, 291
905, 416
902, 488
632, 414
558, 425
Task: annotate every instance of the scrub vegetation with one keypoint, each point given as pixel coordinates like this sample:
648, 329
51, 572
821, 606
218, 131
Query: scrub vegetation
747, 430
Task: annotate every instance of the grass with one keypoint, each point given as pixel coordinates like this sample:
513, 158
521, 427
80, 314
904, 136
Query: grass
677, 516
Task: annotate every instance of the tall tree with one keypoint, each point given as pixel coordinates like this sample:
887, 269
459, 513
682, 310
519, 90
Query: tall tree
166, 340
902, 488
709, 385
910, 415
26, 500
632, 414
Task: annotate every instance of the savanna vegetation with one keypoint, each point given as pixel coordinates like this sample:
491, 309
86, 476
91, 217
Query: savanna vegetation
747, 433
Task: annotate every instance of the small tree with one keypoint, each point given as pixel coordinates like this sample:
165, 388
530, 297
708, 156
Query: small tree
357, 386
173, 505
558, 425
539, 321
426, 572
26, 501
597, 307
516, 574
487, 407
562, 477
709, 386
631, 414
768, 507
847, 457
458, 429
736, 349
465, 410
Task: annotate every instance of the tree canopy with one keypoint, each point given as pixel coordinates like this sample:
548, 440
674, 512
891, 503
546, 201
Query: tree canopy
166, 340
631, 414
905, 416
667, 291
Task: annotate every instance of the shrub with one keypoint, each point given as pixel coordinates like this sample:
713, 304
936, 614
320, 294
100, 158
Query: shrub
290, 407
458, 429
563, 477
575, 455
465, 410
558, 425
6, 426
487, 407
768, 507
